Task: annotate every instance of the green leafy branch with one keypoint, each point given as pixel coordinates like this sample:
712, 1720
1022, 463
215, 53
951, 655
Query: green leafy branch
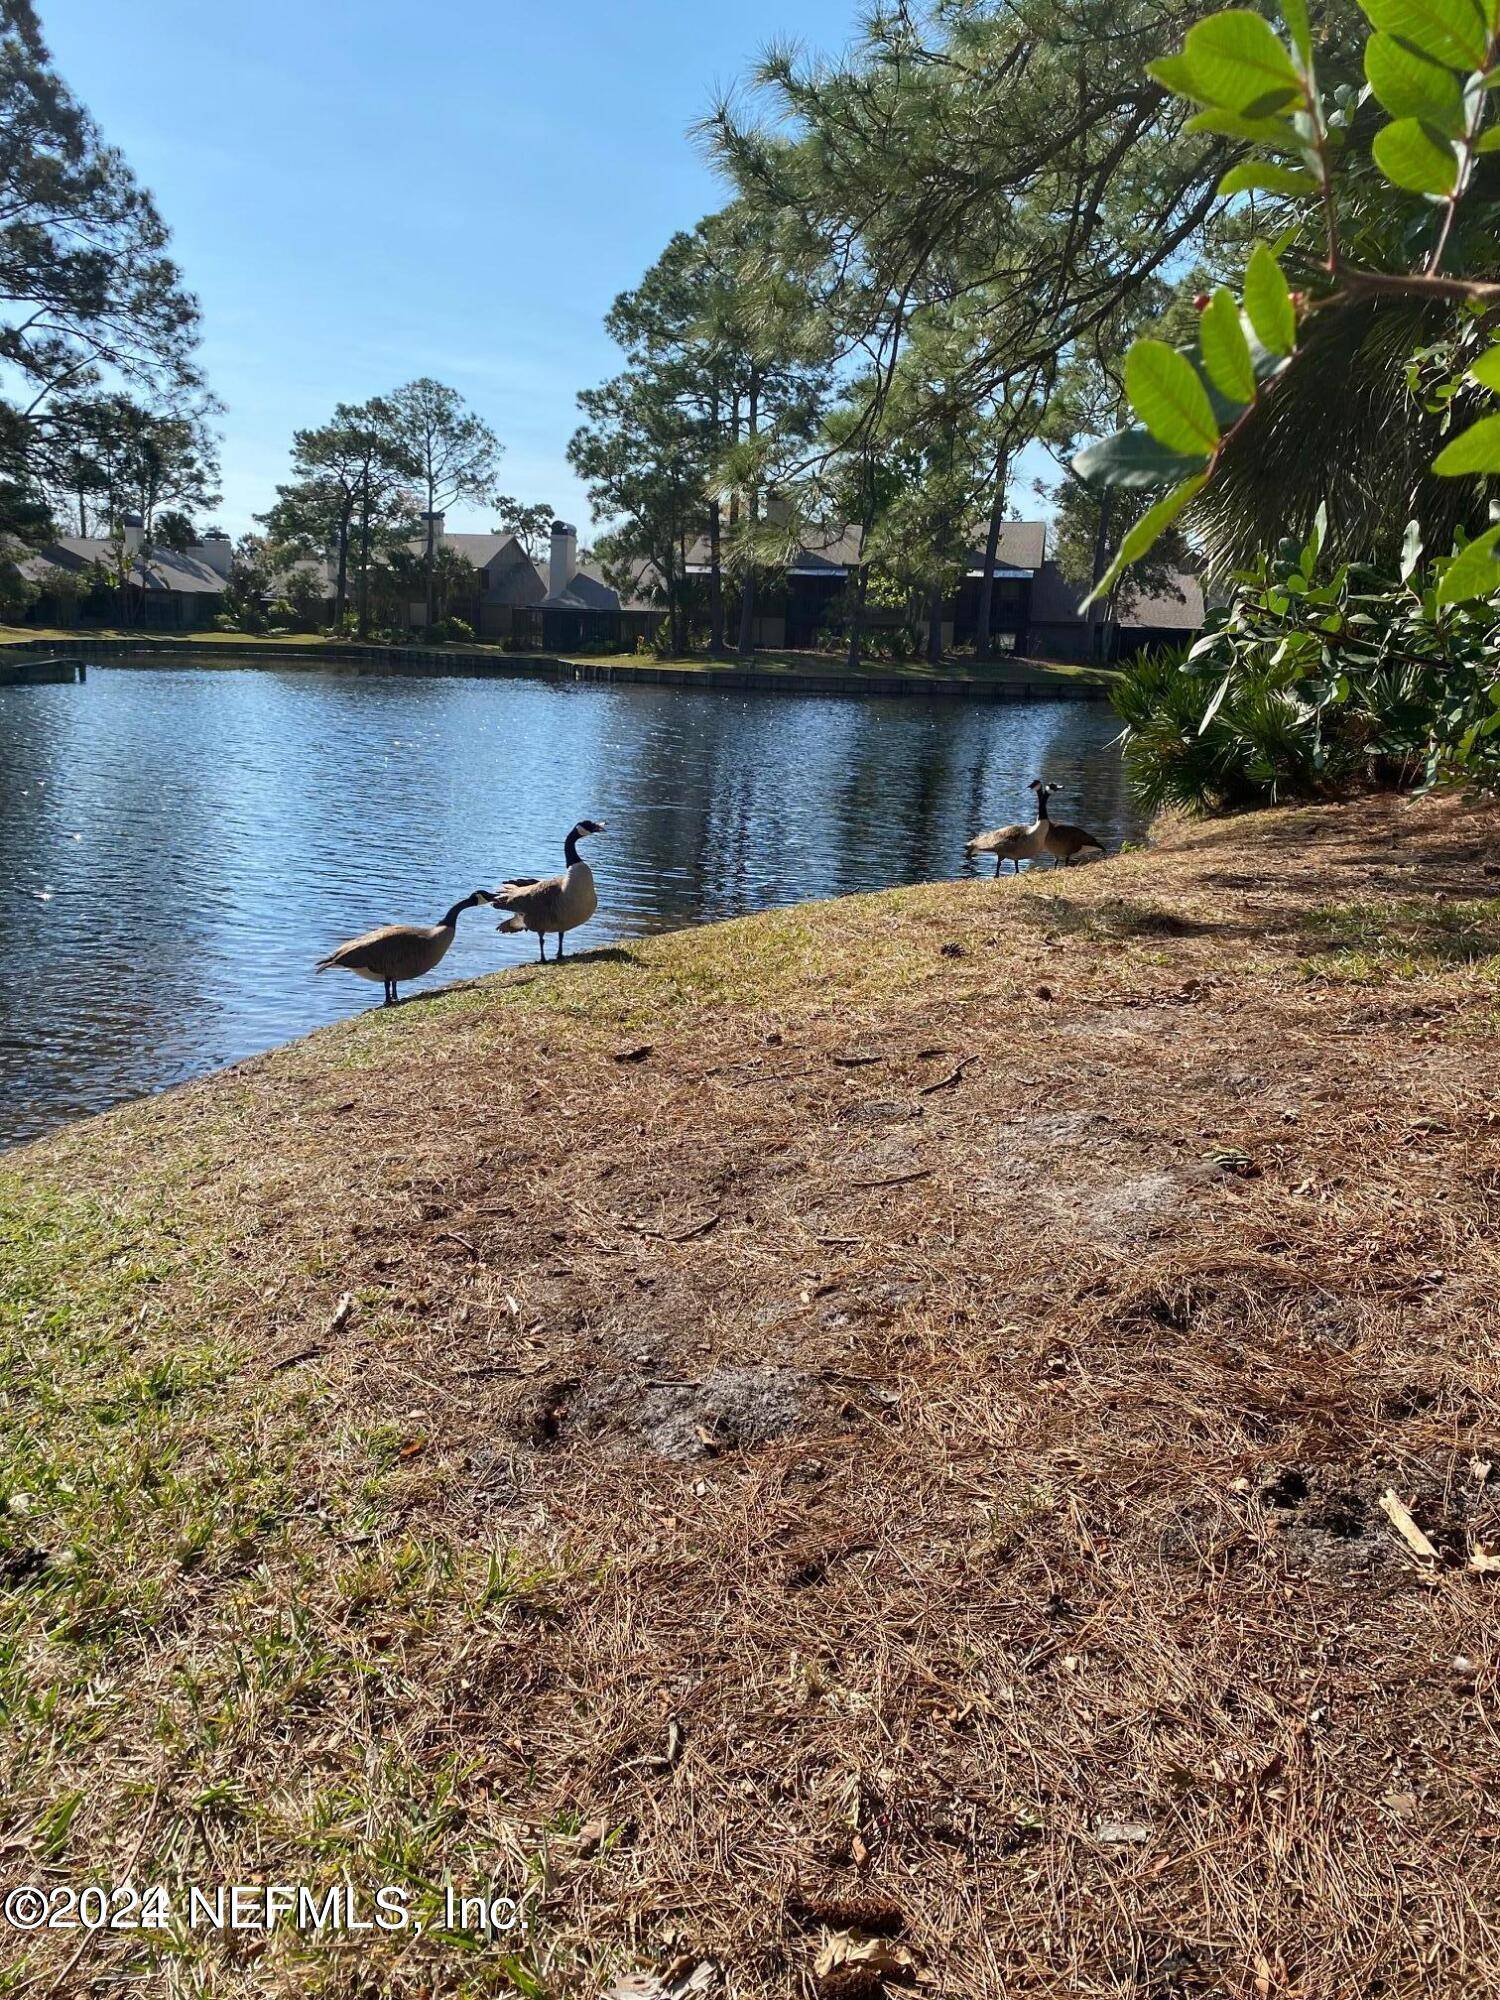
1431, 65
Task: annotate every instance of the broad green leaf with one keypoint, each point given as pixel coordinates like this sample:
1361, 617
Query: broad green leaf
1146, 533
1226, 352
1236, 60
1486, 370
1268, 302
1253, 174
1473, 572
1411, 87
1476, 450
1134, 459
1411, 550
1169, 398
1312, 547
1489, 142
1411, 155
1215, 704
1294, 14
1273, 133
1450, 31
1174, 73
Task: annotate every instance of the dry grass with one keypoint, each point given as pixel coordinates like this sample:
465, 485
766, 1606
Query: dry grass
884, 1400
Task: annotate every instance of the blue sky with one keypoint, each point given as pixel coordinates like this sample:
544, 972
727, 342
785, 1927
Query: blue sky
362, 194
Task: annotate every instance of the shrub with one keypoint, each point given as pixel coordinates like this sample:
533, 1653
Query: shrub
458, 629
1301, 686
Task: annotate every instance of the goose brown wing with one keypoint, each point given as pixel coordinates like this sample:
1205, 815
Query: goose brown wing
1000, 836
369, 952
536, 901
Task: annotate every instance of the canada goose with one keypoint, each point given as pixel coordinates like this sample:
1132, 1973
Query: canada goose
1062, 842
559, 903
1014, 843
399, 951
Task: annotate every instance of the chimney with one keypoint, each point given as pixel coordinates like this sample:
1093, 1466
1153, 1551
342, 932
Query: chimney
437, 527
131, 529
217, 551
562, 565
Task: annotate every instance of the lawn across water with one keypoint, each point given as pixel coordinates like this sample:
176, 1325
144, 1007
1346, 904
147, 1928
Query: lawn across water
877, 1420
768, 667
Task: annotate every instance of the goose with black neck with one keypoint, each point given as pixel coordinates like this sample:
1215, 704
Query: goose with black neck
555, 904
399, 951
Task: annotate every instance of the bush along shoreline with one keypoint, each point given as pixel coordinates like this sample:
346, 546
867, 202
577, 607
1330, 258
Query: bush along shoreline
1316, 679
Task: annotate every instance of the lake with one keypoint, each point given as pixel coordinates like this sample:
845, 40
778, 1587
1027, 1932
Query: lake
179, 844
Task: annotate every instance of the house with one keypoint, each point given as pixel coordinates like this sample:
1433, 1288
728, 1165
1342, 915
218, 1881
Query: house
578, 608
170, 590
1034, 611
1059, 628
506, 580
559, 608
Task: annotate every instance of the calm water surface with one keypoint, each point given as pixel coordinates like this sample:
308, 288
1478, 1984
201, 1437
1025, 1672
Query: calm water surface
178, 845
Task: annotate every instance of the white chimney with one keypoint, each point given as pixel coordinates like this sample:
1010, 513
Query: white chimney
437, 527
562, 565
131, 530
217, 551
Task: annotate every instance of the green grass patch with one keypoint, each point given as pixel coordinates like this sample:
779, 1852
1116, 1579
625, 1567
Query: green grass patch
1403, 938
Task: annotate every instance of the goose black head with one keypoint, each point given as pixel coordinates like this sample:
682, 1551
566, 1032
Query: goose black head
586, 827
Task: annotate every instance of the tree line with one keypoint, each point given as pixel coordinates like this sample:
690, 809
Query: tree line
936, 252
107, 422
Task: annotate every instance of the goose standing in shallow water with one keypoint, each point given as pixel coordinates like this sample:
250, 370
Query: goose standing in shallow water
1059, 840
399, 951
1014, 843
559, 903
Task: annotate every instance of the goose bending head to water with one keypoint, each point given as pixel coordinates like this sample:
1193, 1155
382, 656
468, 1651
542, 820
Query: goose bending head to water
1060, 840
399, 951
559, 903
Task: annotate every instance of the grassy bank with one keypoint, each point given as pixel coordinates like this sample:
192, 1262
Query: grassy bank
785, 667
868, 1419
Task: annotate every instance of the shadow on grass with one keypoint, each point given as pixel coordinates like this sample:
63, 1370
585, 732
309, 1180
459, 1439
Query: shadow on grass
1116, 917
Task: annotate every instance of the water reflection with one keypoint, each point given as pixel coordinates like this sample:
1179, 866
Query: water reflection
179, 844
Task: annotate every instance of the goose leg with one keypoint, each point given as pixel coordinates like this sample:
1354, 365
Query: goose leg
541, 945
999, 863
390, 993
559, 952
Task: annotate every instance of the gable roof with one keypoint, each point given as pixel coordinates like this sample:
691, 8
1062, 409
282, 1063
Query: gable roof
480, 550
1022, 545
1056, 601
585, 590
167, 570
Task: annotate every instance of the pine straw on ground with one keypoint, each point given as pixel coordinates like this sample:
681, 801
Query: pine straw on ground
881, 1401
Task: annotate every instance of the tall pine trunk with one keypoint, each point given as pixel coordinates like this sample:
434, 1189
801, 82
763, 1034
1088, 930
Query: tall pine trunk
341, 581
747, 587
431, 562
364, 559
1097, 610
984, 637
857, 618
716, 644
